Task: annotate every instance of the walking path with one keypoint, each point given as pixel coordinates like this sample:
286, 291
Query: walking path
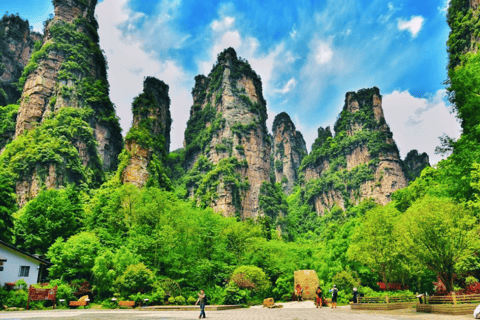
291, 311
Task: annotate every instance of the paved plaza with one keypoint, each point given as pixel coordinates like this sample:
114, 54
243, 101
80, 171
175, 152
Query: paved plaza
244, 314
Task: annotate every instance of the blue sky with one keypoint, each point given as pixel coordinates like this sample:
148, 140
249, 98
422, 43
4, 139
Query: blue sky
308, 53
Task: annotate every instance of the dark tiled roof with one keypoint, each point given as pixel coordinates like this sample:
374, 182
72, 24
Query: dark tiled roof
24, 253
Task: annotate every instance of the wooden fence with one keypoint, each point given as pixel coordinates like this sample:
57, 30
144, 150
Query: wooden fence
384, 303
452, 305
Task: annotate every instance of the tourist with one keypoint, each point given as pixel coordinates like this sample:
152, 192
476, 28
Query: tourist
298, 292
334, 292
202, 299
318, 301
355, 295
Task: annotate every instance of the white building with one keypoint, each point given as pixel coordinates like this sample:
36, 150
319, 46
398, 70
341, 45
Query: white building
16, 264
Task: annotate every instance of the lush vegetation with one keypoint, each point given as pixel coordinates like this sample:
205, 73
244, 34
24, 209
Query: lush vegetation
53, 145
8, 118
115, 240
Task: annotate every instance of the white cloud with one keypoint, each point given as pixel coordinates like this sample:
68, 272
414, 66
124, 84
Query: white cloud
444, 9
224, 24
323, 52
417, 123
293, 33
287, 87
414, 25
391, 11
246, 47
270, 117
129, 63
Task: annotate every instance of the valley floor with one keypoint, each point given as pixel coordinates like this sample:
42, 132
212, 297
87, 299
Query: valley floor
288, 313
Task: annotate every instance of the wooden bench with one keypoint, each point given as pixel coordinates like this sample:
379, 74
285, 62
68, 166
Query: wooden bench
77, 303
129, 304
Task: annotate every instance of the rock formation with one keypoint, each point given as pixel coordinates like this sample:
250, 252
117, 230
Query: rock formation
16, 46
289, 149
69, 70
463, 19
66, 129
148, 141
227, 147
359, 162
414, 163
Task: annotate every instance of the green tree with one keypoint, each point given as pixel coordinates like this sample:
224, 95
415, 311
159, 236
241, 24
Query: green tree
74, 258
7, 207
440, 234
254, 275
135, 278
52, 214
109, 266
375, 245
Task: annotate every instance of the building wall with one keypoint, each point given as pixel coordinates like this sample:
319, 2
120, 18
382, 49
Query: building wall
11, 268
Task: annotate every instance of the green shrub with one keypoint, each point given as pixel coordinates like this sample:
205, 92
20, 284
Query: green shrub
157, 296
17, 299
191, 300
136, 278
180, 300
171, 300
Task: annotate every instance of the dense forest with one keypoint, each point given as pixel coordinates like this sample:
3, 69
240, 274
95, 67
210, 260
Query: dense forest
123, 218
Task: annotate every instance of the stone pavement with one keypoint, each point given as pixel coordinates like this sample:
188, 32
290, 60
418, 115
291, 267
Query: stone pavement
244, 314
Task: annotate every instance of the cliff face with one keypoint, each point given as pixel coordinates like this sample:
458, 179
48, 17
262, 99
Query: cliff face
66, 128
360, 161
16, 46
289, 149
147, 143
69, 70
227, 148
414, 163
463, 18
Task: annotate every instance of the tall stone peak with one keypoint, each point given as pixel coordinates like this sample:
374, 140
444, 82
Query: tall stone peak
226, 139
415, 163
362, 110
65, 81
360, 161
69, 70
323, 135
70, 10
289, 149
16, 46
147, 143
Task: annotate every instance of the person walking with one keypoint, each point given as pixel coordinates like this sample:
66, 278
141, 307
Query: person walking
355, 295
202, 299
319, 297
334, 292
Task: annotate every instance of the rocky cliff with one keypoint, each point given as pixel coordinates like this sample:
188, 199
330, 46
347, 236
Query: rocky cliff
414, 163
463, 18
17, 42
69, 70
289, 149
227, 147
147, 143
66, 129
360, 161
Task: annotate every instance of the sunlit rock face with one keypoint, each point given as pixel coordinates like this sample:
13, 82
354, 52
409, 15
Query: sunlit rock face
360, 161
226, 140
